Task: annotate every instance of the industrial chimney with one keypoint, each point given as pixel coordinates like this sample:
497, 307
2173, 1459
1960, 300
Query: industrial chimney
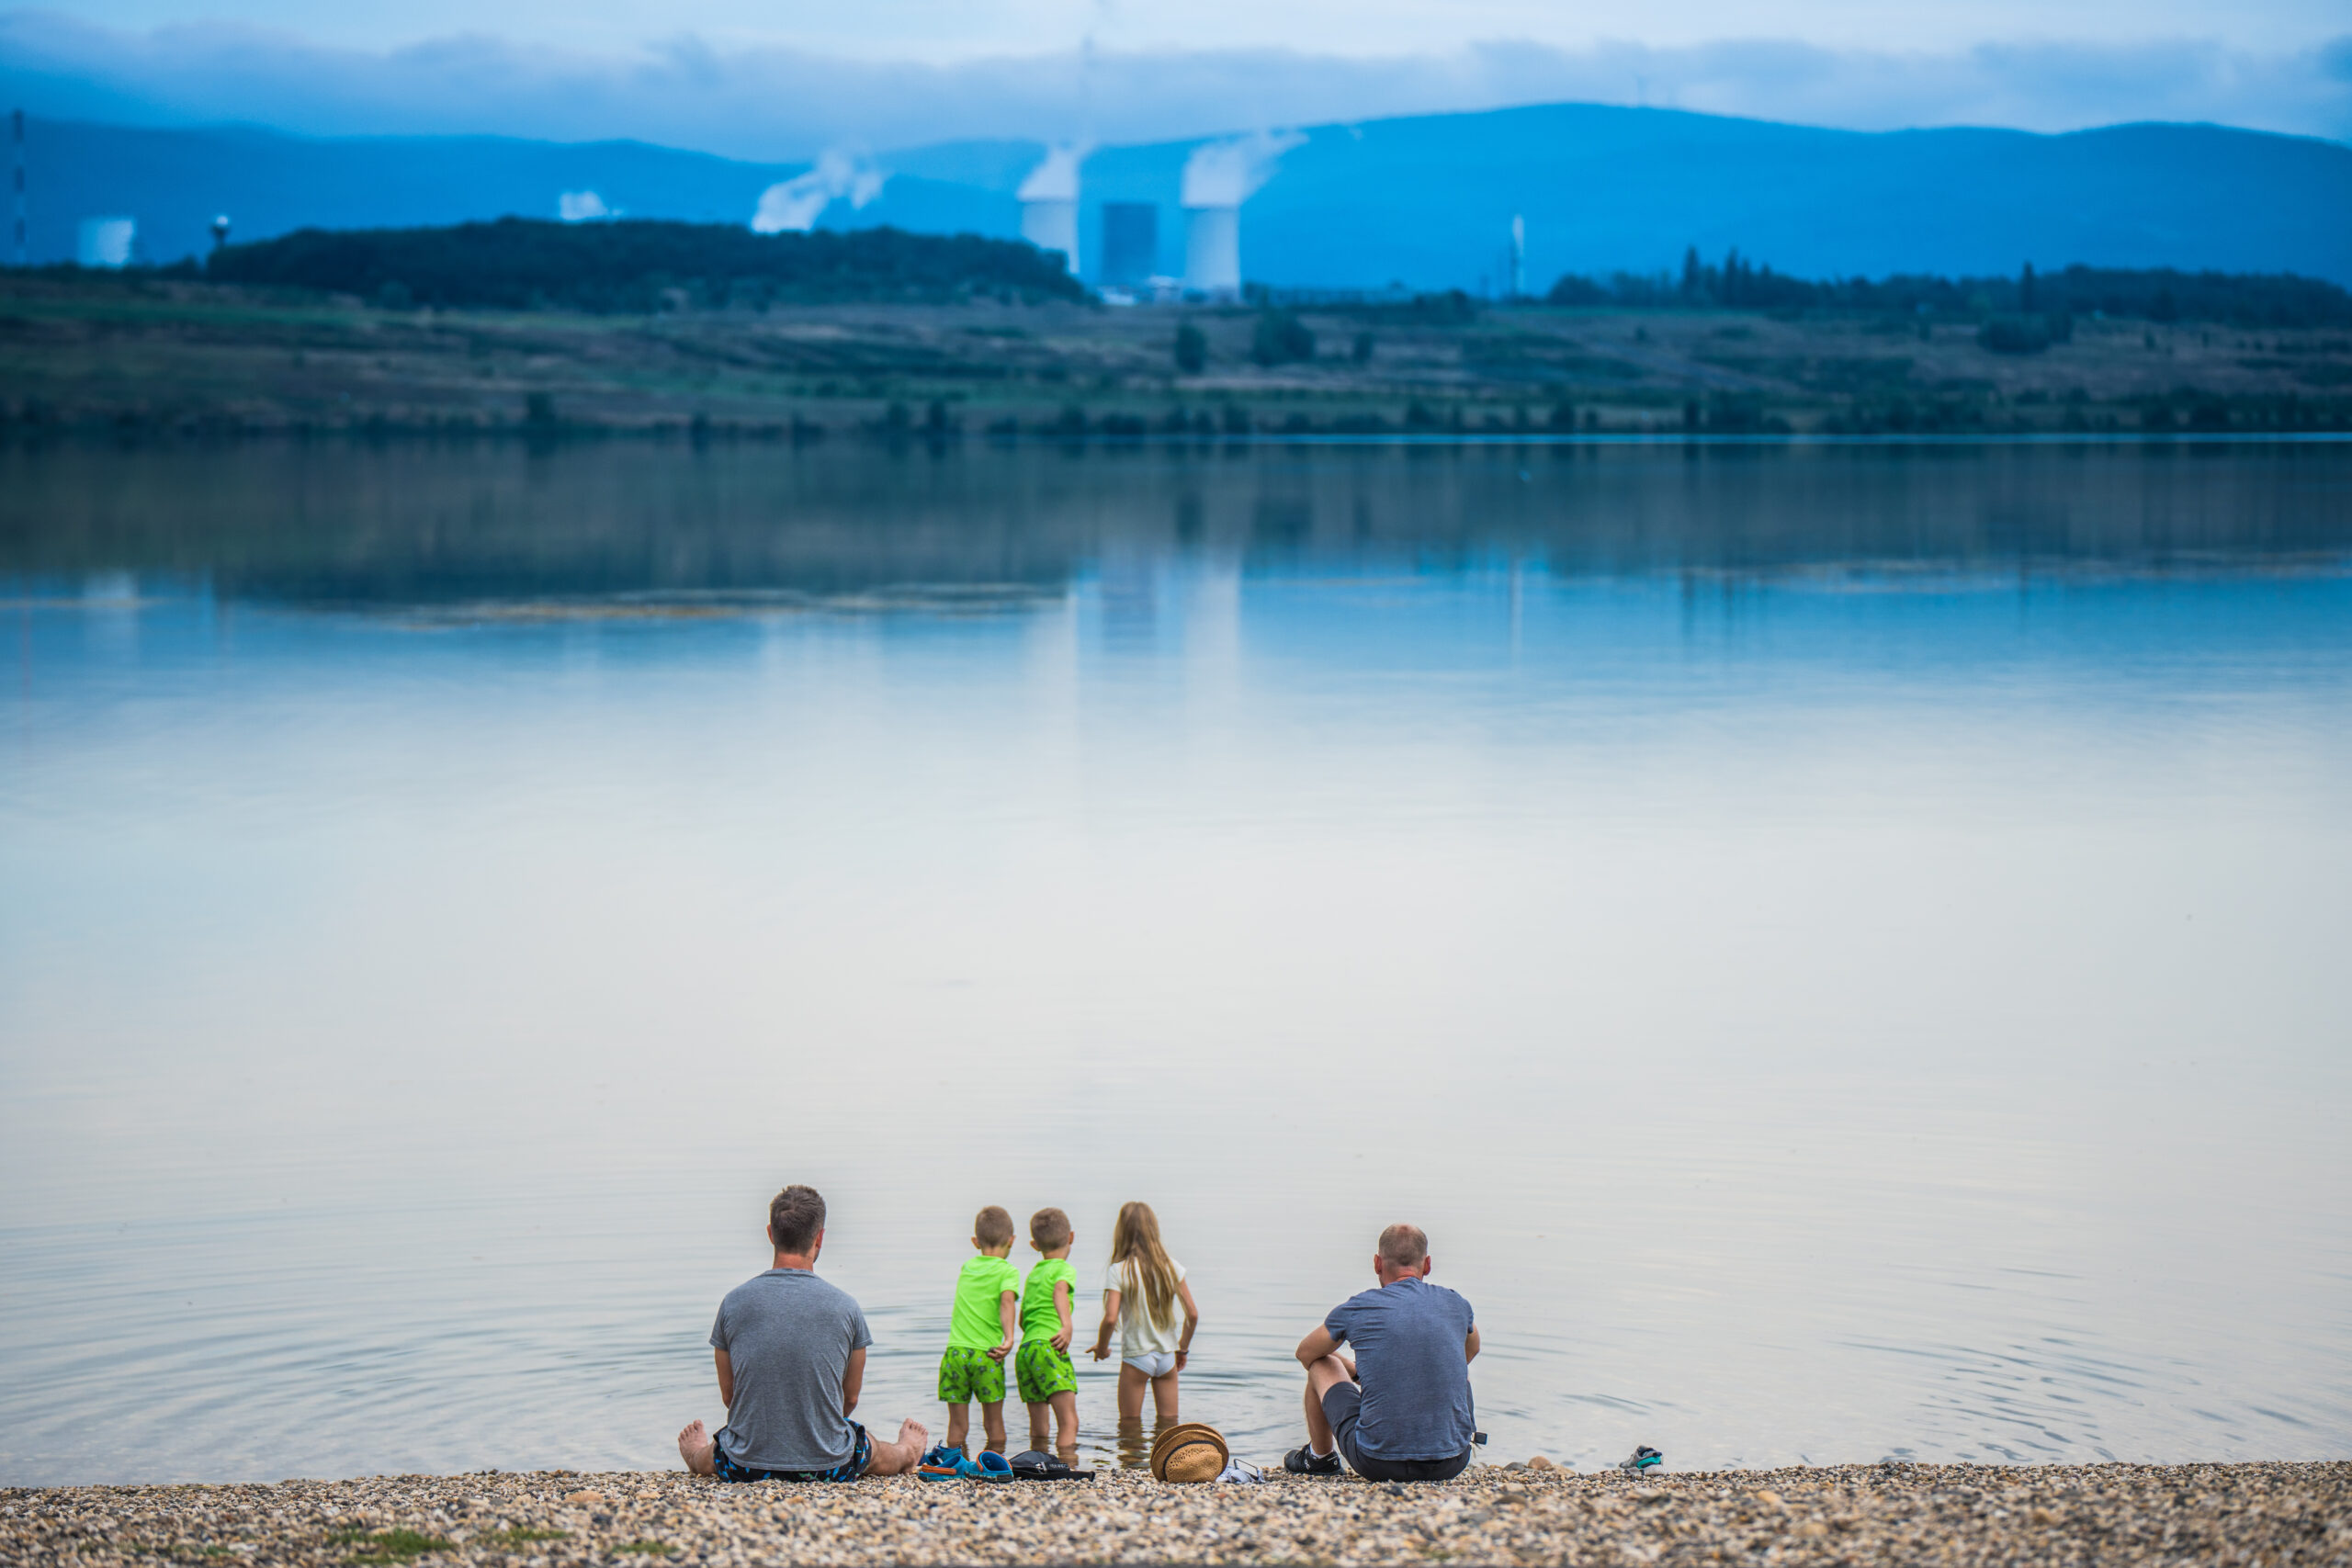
1049, 203
1218, 177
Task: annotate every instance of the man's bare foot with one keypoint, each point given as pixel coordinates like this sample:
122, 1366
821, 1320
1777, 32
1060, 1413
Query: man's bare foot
915, 1436
697, 1448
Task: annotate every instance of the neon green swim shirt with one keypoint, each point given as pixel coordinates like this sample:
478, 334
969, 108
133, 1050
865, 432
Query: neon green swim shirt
975, 1322
1038, 1318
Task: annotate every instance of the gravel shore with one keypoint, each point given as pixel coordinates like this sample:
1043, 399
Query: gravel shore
2269, 1514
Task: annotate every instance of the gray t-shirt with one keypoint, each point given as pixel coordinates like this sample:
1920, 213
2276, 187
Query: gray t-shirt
788, 1334
1408, 1338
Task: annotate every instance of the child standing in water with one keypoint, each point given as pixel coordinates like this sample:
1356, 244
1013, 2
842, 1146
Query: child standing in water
1140, 1292
1048, 1322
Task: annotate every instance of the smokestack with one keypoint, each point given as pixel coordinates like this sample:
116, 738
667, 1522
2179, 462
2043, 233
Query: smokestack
1049, 203
219, 230
1218, 177
1518, 256
17, 118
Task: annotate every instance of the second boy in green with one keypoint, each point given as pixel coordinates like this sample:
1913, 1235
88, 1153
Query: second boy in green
1048, 1383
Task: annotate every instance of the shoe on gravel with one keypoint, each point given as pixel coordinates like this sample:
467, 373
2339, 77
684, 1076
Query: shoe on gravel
1303, 1461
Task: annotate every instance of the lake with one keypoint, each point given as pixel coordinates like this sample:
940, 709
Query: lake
1842, 947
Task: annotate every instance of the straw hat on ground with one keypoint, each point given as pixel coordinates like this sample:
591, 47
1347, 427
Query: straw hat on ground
1191, 1451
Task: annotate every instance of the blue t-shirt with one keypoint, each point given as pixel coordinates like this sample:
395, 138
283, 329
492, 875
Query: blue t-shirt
789, 1336
1408, 1338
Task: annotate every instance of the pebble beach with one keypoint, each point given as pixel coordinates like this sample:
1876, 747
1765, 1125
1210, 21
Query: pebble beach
2269, 1514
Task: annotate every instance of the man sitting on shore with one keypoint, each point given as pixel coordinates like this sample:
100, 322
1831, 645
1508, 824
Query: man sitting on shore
1401, 1410
791, 1354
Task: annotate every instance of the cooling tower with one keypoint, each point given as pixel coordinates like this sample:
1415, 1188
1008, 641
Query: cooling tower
1213, 251
1052, 225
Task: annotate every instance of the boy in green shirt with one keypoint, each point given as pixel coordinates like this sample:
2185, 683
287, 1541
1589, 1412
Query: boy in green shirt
979, 1331
1047, 1380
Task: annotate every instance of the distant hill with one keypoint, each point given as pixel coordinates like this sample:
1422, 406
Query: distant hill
1424, 201
173, 182
629, 264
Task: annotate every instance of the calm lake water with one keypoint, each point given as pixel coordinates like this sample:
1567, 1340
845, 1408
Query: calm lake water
1844, 949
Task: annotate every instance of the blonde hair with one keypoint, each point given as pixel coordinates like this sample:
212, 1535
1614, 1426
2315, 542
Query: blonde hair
1135, 1242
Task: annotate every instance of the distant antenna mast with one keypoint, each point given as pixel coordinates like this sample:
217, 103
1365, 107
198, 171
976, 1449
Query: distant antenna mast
1518, 256
16, 120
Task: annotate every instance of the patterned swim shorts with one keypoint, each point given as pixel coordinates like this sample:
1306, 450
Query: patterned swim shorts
861, 1454
966, 1374
1043, 1371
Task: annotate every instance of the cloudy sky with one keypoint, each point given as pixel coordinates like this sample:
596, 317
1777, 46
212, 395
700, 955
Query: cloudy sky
782, 78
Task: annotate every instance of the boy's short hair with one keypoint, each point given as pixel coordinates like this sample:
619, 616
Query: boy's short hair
1404, 1245
795, 1216
1049, 1228
993, 1226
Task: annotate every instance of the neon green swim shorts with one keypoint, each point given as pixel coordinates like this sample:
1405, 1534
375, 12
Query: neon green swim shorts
966, 1374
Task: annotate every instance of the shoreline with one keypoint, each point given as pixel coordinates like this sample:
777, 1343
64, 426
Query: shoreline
147, 357
2270, 1512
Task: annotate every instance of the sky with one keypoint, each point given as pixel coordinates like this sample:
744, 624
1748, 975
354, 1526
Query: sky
785, 78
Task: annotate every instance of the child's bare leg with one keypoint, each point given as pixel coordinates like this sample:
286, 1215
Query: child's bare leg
1163, 1399
959, 1422
698, 1448
1064, 1409
898, 1458
992, 1422
1040, 1418
1131, 1387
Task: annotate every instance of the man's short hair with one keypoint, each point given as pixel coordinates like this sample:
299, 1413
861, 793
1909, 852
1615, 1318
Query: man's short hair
993, 1226
1049, 1228
1404, 1247
795, 1216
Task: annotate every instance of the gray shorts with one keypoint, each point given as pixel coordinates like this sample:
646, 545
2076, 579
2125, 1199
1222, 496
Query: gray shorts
1342, 1405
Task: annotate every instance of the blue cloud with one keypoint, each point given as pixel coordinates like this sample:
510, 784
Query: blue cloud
771, 103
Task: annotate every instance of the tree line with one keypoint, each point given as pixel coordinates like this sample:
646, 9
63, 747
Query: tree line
639, 266
2155, 294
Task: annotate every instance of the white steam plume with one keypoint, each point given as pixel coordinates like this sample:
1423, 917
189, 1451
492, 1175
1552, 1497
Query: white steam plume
793, 205
1227, 174
582, 207
1056, 179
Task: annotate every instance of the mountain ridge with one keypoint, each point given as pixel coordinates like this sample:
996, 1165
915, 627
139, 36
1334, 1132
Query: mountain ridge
1423, 200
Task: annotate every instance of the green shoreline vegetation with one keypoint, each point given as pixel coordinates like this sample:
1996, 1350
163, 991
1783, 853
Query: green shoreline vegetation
551, 331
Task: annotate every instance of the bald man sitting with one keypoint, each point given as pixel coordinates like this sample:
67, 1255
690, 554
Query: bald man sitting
1402, 1409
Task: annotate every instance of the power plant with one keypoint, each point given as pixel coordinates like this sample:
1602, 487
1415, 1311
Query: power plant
1049, 203
1213, 251
1218, 177
107, 241
1130, 243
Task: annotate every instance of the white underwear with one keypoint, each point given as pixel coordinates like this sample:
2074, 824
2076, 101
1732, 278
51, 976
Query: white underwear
1152, 1363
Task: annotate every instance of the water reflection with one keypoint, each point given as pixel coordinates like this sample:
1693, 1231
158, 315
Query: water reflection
611, 528
1826, 941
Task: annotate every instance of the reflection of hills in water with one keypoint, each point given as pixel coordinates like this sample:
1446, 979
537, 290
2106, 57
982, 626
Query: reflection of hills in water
638, 531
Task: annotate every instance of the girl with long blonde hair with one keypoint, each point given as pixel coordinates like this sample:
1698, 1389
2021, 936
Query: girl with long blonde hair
1141, 1291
